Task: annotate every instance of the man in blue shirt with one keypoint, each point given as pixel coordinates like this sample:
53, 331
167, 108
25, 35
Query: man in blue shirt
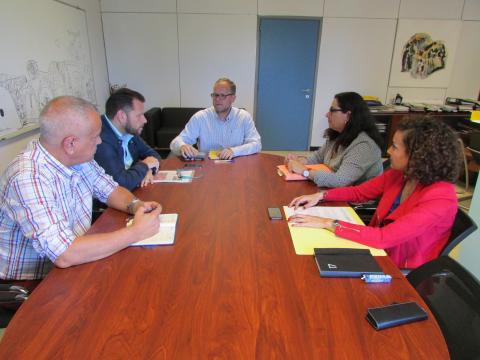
123, 153
222, 127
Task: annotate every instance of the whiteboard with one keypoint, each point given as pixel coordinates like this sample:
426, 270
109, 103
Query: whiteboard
45, 53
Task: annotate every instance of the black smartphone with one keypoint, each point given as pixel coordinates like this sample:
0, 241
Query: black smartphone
198, 157
275, 214
192, 165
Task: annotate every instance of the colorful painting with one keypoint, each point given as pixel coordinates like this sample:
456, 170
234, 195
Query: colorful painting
424, 53
422, 56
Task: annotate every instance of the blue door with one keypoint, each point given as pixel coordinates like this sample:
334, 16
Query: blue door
285, 82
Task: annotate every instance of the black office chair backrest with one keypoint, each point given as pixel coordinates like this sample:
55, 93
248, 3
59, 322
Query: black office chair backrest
453, 296
474, 145
462, 227
11, 297
177, 117
154, 121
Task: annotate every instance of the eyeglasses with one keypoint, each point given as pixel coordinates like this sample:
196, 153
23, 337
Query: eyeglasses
220, 96
332, 110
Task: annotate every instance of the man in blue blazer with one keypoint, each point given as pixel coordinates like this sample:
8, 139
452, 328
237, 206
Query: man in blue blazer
123, 153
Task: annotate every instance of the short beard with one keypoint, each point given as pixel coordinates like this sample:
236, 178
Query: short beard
132, 131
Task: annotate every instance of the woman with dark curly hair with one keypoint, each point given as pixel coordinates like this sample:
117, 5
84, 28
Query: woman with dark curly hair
418, 202
352, 150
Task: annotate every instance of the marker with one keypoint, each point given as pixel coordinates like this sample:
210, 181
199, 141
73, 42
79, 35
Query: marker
376, 278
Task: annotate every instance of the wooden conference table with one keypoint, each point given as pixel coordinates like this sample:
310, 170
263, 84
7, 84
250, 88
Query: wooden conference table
231, 287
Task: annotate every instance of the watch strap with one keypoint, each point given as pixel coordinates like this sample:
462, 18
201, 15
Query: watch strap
131, 205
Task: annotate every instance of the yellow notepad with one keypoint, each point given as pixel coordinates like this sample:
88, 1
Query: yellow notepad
306, 239
214, 154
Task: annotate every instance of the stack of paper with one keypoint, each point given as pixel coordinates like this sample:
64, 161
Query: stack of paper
166, 231
306, 239
215, 155
175, 176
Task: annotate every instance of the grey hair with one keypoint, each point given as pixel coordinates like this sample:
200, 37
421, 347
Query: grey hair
233, 87
62, 116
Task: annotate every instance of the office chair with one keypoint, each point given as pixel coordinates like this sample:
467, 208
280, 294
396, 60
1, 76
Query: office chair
463, 225
471, 162
154, 121
453, 296
11, 297
461, 228
474, 148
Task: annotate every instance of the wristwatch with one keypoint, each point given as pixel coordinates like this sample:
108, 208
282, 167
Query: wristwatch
306, 173
334, 225
132, 205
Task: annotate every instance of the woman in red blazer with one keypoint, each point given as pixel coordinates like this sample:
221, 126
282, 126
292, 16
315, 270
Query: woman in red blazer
418, 202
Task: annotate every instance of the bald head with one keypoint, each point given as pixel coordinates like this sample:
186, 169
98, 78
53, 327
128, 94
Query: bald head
64, 116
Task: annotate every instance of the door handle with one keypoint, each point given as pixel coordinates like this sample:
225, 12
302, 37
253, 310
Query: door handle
306, 90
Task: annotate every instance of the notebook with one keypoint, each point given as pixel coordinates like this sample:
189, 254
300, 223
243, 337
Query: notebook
346, 262
166, 232
215, 155
289, 176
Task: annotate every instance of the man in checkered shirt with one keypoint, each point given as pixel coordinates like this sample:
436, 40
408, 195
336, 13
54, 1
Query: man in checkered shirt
46, 197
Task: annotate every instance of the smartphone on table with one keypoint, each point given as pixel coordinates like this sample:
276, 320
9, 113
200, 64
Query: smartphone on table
274, 213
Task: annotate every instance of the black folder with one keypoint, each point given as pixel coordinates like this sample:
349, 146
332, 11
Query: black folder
346, 262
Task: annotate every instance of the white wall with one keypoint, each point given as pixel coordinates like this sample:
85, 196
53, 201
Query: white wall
431, 9
217, 6
219, 38
9, 148
291, 8
174, 58
469, 253
142, 53
233, 56
465, 81
347, 62
148, 6
172, 50
371, 9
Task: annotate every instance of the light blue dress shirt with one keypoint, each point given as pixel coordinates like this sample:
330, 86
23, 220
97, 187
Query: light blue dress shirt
236, 132
125, 138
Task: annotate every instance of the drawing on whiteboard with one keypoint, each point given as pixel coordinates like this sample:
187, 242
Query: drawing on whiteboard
31, 91
49, 56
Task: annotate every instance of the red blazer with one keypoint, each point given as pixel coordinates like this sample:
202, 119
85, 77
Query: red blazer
415, 232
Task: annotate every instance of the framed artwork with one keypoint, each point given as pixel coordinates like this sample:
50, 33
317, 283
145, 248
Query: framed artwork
424, 53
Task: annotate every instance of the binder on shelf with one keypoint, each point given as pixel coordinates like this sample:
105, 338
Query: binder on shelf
346, 262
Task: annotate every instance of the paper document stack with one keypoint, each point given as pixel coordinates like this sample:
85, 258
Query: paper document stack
305, 240
215, 156
174, 176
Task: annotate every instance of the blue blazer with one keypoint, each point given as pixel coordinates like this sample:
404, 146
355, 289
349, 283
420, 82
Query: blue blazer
109, 155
